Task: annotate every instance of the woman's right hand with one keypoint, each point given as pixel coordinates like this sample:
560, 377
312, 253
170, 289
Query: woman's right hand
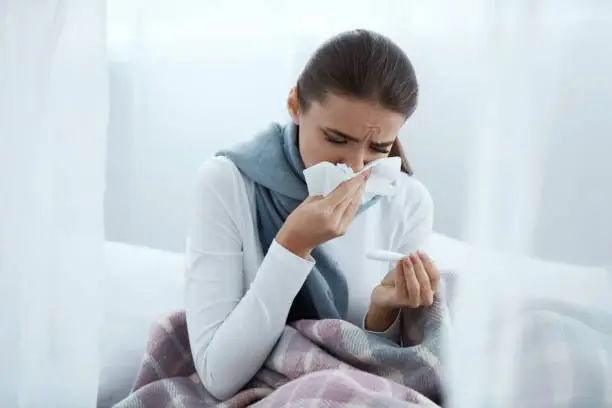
412, 284
320, 219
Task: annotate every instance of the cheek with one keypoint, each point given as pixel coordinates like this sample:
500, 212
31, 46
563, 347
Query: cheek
314, 149
313, 152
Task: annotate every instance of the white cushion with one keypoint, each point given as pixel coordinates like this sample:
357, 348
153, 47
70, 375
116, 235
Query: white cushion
141, 285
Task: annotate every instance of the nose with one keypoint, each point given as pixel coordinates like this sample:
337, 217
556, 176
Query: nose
356, 161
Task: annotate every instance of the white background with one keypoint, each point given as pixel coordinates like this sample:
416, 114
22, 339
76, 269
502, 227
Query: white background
512, 136
105, 116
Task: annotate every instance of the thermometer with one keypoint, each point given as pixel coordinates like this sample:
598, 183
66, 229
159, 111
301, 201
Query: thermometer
388, 256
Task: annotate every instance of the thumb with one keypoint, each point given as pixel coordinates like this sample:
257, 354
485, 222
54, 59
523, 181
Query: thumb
389, 279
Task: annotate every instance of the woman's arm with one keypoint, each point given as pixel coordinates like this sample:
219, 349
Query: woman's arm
416, 207
232, 332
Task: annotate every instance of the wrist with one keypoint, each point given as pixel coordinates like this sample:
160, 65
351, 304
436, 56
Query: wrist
379, 319
284, 240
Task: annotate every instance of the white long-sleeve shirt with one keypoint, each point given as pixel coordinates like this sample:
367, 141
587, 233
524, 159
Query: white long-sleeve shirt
237, 299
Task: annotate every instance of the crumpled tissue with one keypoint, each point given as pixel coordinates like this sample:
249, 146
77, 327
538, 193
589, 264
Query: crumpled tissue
324, 177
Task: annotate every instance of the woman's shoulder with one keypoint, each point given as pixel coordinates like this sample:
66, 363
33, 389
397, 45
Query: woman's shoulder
412, 190
221, 175
412, 198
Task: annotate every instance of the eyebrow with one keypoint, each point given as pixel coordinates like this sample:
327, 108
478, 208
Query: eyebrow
355, 139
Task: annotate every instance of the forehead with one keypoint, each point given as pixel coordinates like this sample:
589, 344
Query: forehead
357, 117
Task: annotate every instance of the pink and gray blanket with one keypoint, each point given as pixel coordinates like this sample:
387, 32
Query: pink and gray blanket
319, 364
565, 361
564, 357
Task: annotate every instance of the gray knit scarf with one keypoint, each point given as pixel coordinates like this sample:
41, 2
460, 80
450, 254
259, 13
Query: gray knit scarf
273, 162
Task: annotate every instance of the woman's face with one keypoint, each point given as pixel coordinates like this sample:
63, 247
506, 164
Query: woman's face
343, 130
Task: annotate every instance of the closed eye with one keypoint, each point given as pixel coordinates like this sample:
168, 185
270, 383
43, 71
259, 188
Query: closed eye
380, 149
385, 148
335, 139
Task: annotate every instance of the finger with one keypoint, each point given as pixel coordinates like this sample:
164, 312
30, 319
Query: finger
412, 284
353, 199
349, 210
431, 269
400, 281
346, 189
349, 199
423, 278
348, 215
345, 212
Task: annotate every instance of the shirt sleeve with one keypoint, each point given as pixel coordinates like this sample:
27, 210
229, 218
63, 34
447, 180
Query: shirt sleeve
232, 330
393, 333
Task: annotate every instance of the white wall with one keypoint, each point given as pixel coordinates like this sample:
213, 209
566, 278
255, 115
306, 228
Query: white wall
174, 106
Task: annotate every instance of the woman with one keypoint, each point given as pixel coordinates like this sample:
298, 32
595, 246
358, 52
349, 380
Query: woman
260, 253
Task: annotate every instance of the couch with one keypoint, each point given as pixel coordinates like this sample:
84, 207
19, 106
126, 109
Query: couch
143, 284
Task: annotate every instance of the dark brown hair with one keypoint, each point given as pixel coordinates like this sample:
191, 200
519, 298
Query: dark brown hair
365, 65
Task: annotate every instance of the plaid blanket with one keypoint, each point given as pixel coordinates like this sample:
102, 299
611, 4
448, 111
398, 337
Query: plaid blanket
564, 357
324, 363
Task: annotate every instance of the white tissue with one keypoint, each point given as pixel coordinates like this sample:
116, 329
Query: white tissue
324, 177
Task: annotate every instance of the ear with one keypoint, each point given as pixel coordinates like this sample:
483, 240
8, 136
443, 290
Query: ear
293, 105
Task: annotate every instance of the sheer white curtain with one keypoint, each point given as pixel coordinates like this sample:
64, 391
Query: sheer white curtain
538, 173
53, 123
512, 137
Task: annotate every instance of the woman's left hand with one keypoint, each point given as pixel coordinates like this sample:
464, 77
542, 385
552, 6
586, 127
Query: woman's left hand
412, 283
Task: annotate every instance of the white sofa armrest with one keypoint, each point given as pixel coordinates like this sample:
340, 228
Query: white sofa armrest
141, 284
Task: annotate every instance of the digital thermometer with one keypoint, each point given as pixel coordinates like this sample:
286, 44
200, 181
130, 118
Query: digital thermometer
388, 256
